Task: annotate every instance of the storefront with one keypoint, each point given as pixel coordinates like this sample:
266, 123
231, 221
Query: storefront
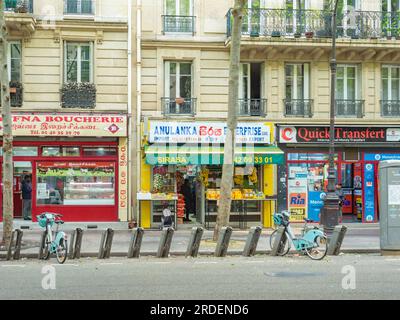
77, 164
193, 152
303, 180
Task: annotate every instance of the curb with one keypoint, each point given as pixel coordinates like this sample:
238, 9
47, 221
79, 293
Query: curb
182, 253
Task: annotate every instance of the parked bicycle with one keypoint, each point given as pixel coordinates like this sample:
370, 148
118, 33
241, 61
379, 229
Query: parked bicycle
312, 242
58, 246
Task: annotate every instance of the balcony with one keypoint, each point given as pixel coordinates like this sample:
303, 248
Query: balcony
178, 24
252, 107
390, 108
317, 24
78, 95
18, 6
178, 106
349, 108
16, 94
298, 108
79, 7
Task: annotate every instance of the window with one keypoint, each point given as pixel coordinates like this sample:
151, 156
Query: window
78, 7
295, 22
75, 183
25, 151
14, 56
178, 7
297, 81
99, 151
78, 62
391, 83
250, 90
348, 83
60, 151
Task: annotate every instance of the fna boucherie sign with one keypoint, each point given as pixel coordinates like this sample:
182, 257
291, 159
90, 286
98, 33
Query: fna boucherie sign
306, 134
76, 125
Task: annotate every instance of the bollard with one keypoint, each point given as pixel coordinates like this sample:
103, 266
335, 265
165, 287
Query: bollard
105, 244
9, 249
18, 242
43, 245
336, 241
279, 243
136, 242
252, 241
165, 242
76, 244
223, 242
194, 242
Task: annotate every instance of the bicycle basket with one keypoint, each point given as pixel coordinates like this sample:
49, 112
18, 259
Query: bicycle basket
278, 219
43, 218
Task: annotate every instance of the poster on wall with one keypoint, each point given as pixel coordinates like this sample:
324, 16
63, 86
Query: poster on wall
297, 202
347, 207
315, 203
369, 193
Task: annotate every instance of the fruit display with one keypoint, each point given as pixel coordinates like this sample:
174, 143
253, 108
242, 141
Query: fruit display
180, 210
158, 183
238, 179
253, 177
237, 194
204, 176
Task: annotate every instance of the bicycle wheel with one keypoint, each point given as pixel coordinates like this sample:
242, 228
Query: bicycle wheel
45, 248
320, 248
62, 251
284, 245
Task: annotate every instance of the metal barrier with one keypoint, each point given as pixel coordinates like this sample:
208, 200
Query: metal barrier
194, 242
76, 243
105, 244
136, 242
223, 242
336, 241
15, 251
252, 241
279, 242
43, 249
165, 242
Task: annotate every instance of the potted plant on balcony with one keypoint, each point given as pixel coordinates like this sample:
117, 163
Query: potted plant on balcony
309, 34
275, 34
297, 34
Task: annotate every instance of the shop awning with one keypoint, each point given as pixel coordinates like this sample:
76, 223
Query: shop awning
183, 155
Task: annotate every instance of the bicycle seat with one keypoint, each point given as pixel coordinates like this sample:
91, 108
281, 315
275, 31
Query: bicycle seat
59, 222
308, 220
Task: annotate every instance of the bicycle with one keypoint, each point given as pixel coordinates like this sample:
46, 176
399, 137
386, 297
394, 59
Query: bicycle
312, 242
59, 244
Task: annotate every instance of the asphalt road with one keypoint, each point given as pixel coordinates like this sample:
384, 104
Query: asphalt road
260, 277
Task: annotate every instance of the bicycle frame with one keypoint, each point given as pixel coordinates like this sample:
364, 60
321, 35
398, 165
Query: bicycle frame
306, 241
59, 235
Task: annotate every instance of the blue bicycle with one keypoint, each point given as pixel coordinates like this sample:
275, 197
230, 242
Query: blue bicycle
59, 244
312, 242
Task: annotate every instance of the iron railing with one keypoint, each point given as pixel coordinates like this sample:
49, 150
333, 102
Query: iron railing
178, 106
298, 108
20, 6
349, 108
317, 23
179, 24
252, 107
390, 108
79, 7
78, 95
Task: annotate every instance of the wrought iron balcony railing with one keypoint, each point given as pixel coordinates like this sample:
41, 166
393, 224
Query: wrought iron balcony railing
252, 107
19, 6
390, 108
16, 94
79, 7
78, 95
178, 106
298, 108
317, 23
349, 108
179, 24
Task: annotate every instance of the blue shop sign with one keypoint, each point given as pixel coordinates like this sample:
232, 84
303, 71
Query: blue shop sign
315, 204
381, 156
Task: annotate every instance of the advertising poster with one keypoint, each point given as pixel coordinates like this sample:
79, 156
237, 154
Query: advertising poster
315, 203
297, 199
347, 207
369, 193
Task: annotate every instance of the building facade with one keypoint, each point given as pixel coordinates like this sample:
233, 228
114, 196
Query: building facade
68, 66
183, 75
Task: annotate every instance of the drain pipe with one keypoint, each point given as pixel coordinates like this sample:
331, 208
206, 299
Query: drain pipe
138, 102
130, 213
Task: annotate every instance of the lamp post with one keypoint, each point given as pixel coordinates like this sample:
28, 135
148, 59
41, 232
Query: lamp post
331, 210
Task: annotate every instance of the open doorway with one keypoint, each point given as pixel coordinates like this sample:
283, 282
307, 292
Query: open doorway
22, 189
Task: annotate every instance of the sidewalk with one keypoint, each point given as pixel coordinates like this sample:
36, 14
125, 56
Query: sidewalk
358, 239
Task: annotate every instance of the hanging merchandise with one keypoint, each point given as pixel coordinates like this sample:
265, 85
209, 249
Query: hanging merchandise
238, 179
204, 176
158, 183
253, 177
180, 206
179, 180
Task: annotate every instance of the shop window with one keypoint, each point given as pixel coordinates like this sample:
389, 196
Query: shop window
75, 183
310, 157
99, 151
25, 151
60, 152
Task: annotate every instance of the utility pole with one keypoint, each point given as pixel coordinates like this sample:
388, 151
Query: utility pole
7, 134
224, 207
331, 210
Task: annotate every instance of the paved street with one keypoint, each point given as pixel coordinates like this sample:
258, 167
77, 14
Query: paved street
260, 277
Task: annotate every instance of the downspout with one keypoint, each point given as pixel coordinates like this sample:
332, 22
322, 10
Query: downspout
130, 213
138, 101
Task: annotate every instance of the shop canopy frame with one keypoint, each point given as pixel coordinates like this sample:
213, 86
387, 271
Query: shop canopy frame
211, 155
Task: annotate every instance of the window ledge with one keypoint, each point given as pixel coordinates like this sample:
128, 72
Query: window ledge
71, 16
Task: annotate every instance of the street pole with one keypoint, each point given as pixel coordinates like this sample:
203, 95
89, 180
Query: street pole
331, 210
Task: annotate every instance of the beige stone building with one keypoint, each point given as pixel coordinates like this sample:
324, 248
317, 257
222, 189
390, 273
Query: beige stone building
68, 66
183, 71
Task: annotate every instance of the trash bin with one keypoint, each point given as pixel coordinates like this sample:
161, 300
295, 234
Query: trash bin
389, 206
